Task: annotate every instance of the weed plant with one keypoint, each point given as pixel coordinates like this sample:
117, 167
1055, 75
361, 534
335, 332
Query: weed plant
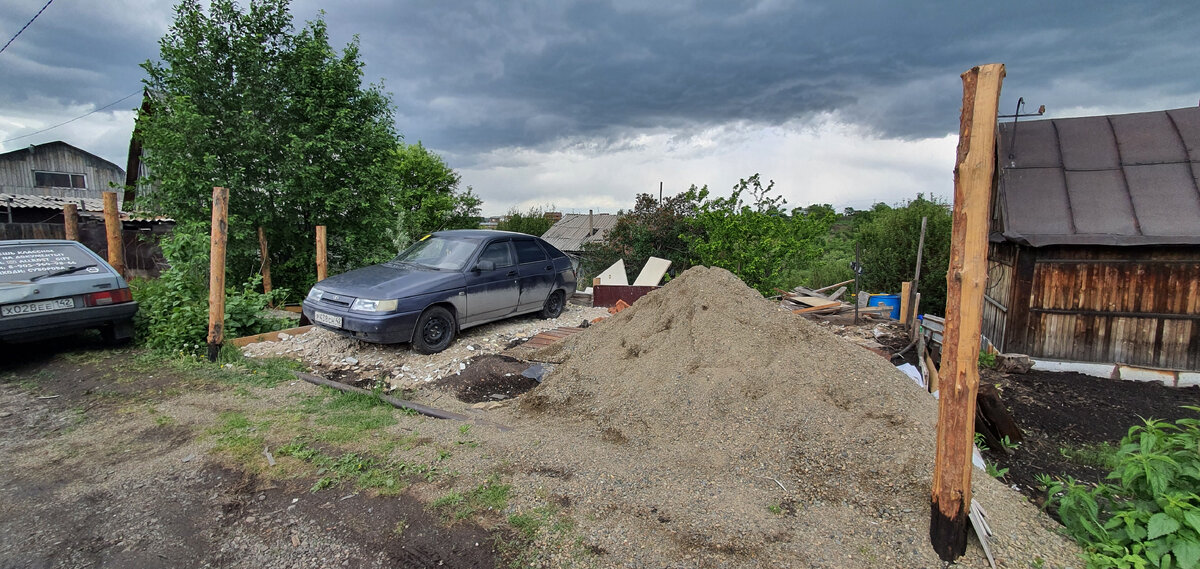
1150, 515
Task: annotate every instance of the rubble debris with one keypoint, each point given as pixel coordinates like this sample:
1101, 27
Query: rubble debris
1013, 363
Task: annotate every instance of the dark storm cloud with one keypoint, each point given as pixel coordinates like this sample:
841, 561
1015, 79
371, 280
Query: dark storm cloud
481, 75
469, 77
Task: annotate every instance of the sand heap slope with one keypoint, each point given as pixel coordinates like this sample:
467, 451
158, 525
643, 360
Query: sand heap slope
730, 432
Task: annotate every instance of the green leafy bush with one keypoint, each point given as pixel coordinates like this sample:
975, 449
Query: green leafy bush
1150, 517
173, 309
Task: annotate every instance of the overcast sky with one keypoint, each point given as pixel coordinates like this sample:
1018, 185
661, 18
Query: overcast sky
585, 104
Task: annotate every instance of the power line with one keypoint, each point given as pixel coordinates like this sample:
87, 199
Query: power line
72, 120
39, 13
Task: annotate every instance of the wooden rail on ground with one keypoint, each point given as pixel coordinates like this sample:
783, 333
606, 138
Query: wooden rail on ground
959, 373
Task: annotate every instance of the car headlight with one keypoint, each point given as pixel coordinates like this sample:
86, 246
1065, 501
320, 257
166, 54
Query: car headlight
367, 305
315, 294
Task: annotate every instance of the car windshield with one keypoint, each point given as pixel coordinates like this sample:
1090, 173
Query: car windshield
28, 262
438, 253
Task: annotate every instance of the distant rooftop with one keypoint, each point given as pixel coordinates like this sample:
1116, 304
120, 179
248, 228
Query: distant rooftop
572, 231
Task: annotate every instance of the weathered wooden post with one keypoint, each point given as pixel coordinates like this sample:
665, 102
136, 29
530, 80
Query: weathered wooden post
216, 272
959, 374
911, 321
266, 260
112, 226
322, 267
71, 222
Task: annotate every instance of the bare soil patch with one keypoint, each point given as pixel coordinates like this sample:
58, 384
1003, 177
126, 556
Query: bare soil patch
489, 378
1070, 411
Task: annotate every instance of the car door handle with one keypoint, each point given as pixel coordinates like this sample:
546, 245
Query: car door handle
549, 267
512, 273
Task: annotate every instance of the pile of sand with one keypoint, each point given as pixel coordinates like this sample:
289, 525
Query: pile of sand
706, 426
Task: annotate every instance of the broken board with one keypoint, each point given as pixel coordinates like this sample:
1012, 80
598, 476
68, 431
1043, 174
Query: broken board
614, 275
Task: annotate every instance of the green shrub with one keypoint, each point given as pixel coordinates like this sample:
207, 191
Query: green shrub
173, 309
1150, 517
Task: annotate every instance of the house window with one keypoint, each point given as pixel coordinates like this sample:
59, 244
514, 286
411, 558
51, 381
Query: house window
59, 180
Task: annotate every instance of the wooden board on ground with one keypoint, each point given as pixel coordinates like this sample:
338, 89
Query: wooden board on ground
542, 340
269, 336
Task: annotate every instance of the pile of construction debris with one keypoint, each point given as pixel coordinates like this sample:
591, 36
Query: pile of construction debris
705, 426
821, 302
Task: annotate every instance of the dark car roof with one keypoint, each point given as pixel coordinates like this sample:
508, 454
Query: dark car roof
479, 234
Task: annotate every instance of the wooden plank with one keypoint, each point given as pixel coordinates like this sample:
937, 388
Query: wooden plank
264, 254
216, 271
813, 300
973, 173
835, 285
268, 336
905, 301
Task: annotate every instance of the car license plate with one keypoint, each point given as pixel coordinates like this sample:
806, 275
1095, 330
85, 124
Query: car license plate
328, 319
40, 306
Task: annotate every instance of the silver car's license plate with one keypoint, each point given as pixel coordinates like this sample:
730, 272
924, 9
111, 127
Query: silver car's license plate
328, 319
39, 306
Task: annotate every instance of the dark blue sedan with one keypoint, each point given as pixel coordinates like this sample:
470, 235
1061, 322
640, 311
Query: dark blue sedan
444, 283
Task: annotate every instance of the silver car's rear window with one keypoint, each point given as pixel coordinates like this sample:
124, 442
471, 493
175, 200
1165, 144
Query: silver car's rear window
23, 262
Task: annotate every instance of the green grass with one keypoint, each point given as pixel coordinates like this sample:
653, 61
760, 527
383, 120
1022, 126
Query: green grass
551, 529
239, 437
1102, 455
489, 496
364, 472
346, 416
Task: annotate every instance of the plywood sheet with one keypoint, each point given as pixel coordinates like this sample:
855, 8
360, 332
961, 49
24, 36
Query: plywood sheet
652, 273
615, 275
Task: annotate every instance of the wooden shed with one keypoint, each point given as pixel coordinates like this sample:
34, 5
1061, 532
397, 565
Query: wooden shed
58, 169
1095, 241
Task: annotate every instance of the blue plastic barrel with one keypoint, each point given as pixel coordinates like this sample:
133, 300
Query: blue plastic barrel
892, 300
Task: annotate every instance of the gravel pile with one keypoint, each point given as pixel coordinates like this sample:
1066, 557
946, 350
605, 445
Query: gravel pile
398, 365
705, 426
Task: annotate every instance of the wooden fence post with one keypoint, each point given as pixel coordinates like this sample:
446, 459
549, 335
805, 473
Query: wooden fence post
71, 222
266, 260
322, 266
216, 272
113, 228
965, 280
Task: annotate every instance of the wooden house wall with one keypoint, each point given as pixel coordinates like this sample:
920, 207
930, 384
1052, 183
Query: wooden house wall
17, 168
1001, 259
1133, 305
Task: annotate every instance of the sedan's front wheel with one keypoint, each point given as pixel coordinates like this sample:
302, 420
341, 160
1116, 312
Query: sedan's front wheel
435, 330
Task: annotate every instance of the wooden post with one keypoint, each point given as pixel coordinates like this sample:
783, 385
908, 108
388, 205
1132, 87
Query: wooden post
216, 272
905, 302
959, 374
112, 226
322, 265
911, 321
71, 222
266, 260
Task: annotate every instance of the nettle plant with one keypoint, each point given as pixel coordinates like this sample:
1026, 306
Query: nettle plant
1150, 515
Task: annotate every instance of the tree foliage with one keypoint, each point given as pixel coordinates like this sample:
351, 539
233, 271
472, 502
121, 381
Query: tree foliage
889, 238
531, 222
427, 195
243, 100
760, 241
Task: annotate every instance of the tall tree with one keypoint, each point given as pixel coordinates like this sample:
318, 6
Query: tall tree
427, 196
242, 100
889, 239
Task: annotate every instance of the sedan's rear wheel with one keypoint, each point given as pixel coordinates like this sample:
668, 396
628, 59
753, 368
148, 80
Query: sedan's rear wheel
554, 305
435, 330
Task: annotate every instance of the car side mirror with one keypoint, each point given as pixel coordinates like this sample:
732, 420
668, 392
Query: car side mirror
485, 266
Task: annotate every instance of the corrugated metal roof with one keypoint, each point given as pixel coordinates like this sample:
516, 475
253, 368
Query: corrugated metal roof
1112, 180
571, 232
87, 206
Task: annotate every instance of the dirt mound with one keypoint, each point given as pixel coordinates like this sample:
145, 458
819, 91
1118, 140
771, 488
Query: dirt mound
756, 435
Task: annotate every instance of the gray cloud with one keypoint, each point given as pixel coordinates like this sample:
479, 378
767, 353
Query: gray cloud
587, 76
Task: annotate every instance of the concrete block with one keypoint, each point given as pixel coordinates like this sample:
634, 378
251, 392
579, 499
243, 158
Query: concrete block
1188, 379
1105, 371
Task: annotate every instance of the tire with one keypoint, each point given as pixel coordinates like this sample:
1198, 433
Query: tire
554, 305
435, 330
